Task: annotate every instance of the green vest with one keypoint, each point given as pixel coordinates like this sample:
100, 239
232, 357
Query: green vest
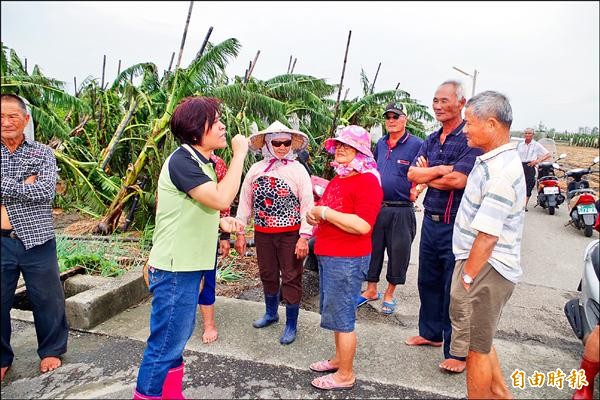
186, 232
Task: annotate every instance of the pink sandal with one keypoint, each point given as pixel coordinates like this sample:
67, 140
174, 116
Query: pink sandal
326, 382
322, 366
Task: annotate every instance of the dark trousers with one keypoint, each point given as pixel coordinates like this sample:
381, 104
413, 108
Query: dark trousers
529, 173
278, 265
394, 230
436, 265
39, 267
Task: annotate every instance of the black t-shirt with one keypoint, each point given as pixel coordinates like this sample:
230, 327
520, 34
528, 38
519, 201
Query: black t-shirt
184, 170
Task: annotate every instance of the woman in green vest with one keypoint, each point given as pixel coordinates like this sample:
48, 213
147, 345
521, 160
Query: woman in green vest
185, 239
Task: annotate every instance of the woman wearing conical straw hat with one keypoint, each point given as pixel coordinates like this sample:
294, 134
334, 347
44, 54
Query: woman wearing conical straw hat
277, 194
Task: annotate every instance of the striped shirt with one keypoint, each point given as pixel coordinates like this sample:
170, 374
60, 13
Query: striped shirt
493, 203
29, 206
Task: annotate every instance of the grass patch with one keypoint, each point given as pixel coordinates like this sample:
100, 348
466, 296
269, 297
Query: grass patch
91, 256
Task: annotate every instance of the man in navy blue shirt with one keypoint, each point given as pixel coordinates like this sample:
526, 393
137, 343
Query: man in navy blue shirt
443, 163
396, 224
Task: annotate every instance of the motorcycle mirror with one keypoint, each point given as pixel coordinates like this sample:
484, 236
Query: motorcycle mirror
555, 166
562, 155
596, 159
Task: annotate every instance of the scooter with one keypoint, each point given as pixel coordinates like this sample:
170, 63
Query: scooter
549, 193
584, 212
583, 312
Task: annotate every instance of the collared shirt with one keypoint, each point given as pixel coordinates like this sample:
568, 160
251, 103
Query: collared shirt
29, 206
393, 164
531, 151
493, 203
453, 152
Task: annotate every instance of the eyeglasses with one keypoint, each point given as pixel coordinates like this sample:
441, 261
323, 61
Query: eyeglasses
340, 145
390, 116
277, 143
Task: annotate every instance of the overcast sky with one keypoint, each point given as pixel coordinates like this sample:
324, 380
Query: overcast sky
543, 55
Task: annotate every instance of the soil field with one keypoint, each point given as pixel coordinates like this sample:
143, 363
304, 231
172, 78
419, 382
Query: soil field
579, 157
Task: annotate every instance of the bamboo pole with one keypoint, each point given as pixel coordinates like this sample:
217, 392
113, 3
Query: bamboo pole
75, 85
103, 71
171, 62
293, 66
252, 65
397, 86
375, 79
26, 66
199, 54
289, 65
187, 23
119, 69
346, 94
337, 103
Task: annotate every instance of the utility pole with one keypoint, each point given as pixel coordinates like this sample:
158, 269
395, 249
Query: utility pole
473, 76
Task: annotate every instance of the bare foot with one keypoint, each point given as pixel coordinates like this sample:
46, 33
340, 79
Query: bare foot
421, 341
452, 365
210, 334
49, 364
4, 369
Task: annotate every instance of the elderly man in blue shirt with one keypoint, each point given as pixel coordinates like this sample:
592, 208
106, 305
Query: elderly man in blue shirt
396, 224
443, 163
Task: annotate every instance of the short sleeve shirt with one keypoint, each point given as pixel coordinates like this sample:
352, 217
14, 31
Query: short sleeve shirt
454, 151
531, 151
184, 171
393, 164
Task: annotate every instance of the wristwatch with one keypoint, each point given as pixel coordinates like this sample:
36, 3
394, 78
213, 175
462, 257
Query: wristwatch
467, 279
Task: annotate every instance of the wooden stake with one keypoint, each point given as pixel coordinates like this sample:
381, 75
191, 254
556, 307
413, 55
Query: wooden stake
199, 54
293, 66
374, 79
171, 63
103, 71
187, 23
337, 103
252, 65
289, 65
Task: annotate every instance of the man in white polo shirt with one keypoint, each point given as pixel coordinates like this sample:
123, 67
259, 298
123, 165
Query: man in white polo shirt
486, 243
531, 153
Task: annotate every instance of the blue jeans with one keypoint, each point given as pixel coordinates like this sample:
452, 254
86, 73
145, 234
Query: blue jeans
340, 279
39, 267
172, 322
436, 265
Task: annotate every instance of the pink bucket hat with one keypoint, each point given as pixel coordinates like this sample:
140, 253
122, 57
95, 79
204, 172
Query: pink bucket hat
354, 136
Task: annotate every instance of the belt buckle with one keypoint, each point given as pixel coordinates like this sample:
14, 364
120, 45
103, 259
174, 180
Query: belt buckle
435, 217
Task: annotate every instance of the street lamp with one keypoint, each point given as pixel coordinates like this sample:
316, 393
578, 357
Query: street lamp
474, 76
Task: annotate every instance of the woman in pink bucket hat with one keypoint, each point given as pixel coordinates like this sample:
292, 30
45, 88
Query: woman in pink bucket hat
344, 217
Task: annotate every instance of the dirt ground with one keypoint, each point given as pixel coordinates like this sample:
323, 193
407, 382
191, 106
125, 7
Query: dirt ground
579, 157
249, 286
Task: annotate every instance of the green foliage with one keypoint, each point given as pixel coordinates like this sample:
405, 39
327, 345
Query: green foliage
103, 136
228, 269
94, 261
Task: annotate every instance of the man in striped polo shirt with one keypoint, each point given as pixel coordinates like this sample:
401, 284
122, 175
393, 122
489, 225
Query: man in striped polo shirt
486, 243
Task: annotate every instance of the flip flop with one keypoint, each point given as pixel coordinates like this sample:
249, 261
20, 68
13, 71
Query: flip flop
360, 300
326, 382
388, 308
322, 366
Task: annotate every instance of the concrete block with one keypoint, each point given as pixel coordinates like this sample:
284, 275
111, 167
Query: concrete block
80, 283
93, 306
